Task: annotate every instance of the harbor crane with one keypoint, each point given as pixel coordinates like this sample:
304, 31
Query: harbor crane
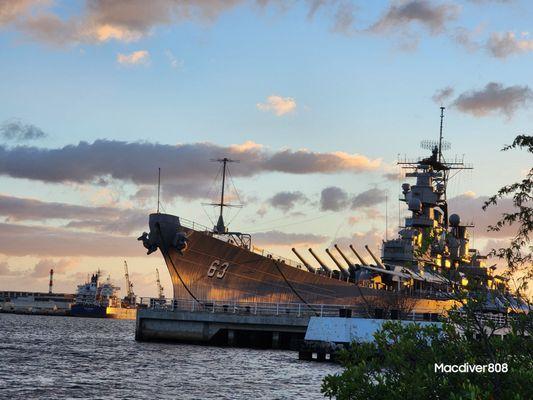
160, 293
130, 297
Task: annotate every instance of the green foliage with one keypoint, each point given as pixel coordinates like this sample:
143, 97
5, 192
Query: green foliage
519, 254
400, 364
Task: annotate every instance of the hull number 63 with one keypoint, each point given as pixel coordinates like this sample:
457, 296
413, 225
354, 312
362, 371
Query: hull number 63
218, 269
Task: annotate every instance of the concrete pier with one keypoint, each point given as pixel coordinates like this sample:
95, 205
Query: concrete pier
222, 329
244, 324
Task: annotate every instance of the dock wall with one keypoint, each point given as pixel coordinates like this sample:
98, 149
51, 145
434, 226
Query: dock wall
261, 331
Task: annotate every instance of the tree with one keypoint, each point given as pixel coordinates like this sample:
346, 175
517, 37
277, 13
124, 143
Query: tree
401, 363
519, 255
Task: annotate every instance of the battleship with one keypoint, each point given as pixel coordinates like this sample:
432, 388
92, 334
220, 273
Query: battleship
416, 271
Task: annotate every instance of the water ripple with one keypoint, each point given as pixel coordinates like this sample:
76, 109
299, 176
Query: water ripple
75, 358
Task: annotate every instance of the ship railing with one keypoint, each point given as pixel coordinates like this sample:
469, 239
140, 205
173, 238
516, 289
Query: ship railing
283, 309
193, 225
249, 307
500, 319
280, 259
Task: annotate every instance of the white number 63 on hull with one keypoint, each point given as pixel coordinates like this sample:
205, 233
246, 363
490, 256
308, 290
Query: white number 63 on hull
218, 268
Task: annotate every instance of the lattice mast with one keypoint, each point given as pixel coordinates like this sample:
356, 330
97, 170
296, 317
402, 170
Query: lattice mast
220, 227
160, 290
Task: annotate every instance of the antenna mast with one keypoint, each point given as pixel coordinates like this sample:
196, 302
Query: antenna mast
224, 162
220, 227
158, 188
386, 216
440, 136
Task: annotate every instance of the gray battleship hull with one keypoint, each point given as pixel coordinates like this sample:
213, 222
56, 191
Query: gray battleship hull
213, 269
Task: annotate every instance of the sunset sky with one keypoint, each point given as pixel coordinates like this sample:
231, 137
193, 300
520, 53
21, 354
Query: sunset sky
316, 99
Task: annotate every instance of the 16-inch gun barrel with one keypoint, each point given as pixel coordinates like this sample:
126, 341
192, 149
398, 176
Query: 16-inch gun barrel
351, 266
374, 257
343, 270
358, 256
307, 265
324, 266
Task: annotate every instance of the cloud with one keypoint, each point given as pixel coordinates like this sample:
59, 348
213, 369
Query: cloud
286, 201
373, 213
6, 270
392, 176
183, 166
18, 131
430, 15
173, 60
467, 38
442, 95
344, 18
505, 44
49, 28
336, 199
333, 199
262, 211
368, 198
278, 105
342, 13
131, 20
373, 238
60, 266
354, 219
278, 238
25, 240
101, 219
469, 207
10, 10
121, 20
134, 58
494, 98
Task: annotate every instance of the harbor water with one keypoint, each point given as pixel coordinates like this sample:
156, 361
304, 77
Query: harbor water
47, 357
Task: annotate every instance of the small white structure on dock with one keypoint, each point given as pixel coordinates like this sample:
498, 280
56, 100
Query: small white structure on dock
346, 330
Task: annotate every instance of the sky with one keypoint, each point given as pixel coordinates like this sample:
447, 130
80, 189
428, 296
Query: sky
317, 99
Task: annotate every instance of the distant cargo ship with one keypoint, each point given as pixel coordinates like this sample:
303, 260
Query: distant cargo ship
93, 299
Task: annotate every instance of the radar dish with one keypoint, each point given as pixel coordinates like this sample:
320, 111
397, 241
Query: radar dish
431, 144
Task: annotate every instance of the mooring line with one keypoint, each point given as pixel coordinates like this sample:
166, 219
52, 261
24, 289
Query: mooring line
172, 262
294, 290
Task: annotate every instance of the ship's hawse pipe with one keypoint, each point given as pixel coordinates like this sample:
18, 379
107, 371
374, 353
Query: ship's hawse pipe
351, 267
324, 266
307, 265
358, 256
374, 257
343, 270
